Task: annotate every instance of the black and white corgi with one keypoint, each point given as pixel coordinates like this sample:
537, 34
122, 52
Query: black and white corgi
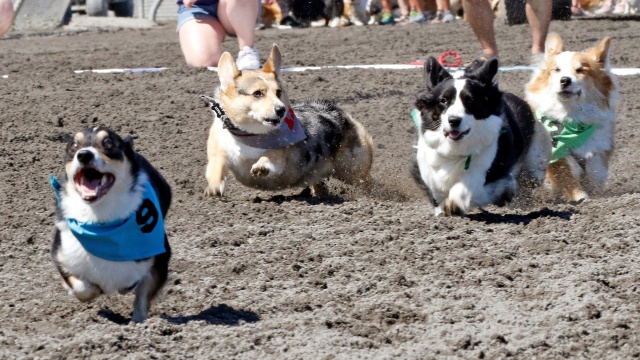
475, 140
110, 234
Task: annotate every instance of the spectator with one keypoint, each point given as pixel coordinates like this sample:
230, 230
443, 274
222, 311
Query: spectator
387, 13
444, 15
204, 24
480, 17
6, 16
418, 15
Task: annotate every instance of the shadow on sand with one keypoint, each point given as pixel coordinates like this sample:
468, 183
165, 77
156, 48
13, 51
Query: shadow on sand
304, 196
489, 218
217, 315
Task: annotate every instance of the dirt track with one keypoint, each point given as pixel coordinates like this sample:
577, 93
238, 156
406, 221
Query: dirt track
277, 275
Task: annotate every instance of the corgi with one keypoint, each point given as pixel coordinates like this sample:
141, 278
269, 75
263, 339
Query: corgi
111, 206
475, 142
269, 144
575, 95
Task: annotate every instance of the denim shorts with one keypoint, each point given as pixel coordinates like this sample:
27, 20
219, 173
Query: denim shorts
196, 12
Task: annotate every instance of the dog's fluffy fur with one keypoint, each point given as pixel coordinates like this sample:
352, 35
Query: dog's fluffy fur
579, 86
254, 101
101, 154
469, 122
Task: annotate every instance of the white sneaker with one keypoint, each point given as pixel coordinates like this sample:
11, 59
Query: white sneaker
448, 17
248, 59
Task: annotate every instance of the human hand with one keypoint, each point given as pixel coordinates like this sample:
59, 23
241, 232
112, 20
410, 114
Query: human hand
188, 3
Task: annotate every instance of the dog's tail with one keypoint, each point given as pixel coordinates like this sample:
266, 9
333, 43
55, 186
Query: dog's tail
354, 157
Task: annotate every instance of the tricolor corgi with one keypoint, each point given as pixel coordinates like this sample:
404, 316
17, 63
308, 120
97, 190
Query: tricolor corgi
475, 142
574, 94
111, 206
269, 144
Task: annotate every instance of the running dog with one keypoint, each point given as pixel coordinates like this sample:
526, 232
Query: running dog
475, 140
574, 94
110, 213
269, 144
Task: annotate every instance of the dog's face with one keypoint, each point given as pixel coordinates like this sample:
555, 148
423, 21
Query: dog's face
97, 163
571, 77
253, 99
460, 113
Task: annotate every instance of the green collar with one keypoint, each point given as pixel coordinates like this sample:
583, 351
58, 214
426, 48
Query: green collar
567, 134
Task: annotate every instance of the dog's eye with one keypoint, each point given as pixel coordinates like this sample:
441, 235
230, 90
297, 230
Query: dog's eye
258, 94
107, 144
74, 147
580, 70
444, 101
278, 93
556, 70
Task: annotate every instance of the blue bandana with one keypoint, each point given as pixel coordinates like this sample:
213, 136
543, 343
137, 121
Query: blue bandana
137, 237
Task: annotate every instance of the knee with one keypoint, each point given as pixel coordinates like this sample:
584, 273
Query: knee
201, 56
201, 59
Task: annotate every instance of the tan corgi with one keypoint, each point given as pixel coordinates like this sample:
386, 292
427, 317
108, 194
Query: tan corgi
269, 144
574, 94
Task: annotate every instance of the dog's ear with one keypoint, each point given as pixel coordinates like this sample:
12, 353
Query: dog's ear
227, 71
434, 73
483, 71
600, 52
128, 141
274, 62
552, 46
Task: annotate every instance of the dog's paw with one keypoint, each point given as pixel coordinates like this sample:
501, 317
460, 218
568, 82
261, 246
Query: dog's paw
82, 290
577, 197
506, 197
139, 316
214, 190
452, 208
259, 170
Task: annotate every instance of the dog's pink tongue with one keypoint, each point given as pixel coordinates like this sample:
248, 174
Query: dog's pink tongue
88, 188
454, 134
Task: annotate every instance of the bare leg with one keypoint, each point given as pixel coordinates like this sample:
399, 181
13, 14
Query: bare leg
443, 5
6, 16
200, 41
539, 16
480, 17
238, 17
386, 6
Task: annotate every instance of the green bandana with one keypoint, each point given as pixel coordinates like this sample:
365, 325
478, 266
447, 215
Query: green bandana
566, 135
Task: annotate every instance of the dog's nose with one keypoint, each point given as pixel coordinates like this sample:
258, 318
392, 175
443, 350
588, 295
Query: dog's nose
280, 110
454, 121
84, 156
565, 81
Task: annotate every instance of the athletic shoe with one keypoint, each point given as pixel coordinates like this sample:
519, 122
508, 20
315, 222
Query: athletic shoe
447, 16
248, 59
386, 19
419, 18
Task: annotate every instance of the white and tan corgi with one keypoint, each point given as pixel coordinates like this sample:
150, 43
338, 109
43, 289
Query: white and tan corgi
574, 94
269, 144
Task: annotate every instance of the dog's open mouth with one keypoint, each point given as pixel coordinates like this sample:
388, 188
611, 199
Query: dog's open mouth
456, 135
568, 94
92, 184
272, 121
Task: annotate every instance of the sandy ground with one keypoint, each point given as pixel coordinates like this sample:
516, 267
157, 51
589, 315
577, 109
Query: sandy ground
277, 275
